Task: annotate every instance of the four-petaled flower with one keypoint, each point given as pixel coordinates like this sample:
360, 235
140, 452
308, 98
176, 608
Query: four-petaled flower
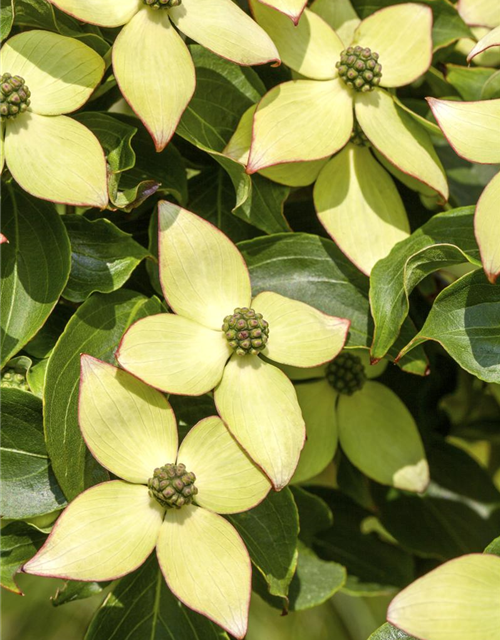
111, 529
342, 405
311, 118
197, 348
151, 63
53, 157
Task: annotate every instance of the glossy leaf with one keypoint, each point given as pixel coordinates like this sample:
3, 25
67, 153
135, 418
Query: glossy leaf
447, 239
35, 267
95, 328
29, 487
19, 542
143, 602
102, 257
270, 532
465, 320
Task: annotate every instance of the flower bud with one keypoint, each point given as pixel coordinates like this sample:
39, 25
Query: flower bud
161, 4
172, 487
359, 68
14, 96
246, 331
346, 374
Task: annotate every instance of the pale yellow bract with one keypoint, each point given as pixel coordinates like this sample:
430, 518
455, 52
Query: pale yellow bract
151, 62
50, 155
111, 529
375, 429
204, 278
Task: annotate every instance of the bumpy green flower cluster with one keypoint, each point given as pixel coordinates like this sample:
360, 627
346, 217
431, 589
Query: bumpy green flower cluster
359, 68
162, 4
246, 331
172, 486
346, 374
358, 137
14, 96
14, 379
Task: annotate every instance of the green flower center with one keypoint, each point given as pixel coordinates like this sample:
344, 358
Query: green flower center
172, 486
246, 331
14, 379
162, 4
359, 68
346, 374
358, 136
14, 96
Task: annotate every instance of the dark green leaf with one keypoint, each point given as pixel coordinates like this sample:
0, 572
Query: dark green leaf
465, 320
224, 91
102, 257
388, 632
141, 606
29, 487
74, 590
270, 532
459, 513
468, 81
35, 267
6, 18
494, 547
96, 329
18, 543
313, 270
36, 377
447, 239
491, 88
191, 409
373, 567
314, 514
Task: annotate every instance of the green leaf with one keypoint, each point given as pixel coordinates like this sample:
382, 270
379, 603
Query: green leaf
447, 239
264, 209
493, 547
137, 171
458, 514
491, 88
35, 267
141, 606
465, 320
315, 580
18, 543
218, 83
189, 410
29, 487
211, 195
373, 567
448, 25
313, 270
6, 18
102, 257
270, 532
96, 329
74, 590
388, 632
314, 514
468, 81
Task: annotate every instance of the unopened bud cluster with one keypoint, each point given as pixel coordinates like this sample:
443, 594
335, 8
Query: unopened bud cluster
358, 136
172, 486
346, 374
359, 68
246, 331
14, 379
162, 4
14, 96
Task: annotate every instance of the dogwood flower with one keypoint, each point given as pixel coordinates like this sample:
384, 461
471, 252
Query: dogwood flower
168, 497
53, 157
342, 404
311, 118
483, 17
217, 334
473, 130
151, 63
